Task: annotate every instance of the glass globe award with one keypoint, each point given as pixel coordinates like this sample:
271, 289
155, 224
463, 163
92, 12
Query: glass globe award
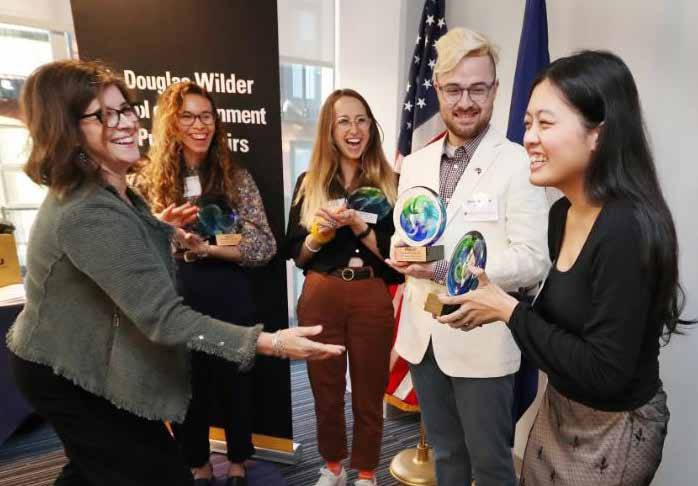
420, 219
470, 250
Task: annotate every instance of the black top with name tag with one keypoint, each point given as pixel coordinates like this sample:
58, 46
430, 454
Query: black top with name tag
345, 245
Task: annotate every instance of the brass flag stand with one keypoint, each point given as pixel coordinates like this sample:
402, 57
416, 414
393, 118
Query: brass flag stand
415, 466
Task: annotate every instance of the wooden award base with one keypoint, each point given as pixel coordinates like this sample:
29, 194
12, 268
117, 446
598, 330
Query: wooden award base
228, 239
434, 306
419, 254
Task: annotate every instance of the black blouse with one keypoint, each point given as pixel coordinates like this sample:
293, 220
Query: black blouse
590, 329
345, 245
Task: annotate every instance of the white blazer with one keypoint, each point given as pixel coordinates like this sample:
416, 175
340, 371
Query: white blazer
517, 254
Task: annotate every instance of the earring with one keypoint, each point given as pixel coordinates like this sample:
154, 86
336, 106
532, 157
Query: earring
82, 156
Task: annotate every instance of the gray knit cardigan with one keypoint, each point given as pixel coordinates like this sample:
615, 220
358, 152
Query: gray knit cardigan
102, 306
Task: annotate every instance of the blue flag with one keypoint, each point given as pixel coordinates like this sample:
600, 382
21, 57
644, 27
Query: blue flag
533, 56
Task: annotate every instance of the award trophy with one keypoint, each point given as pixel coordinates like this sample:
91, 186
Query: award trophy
370, 203
470, 250
420, 219
217, 222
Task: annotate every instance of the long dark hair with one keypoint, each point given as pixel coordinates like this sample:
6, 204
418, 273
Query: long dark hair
601, 88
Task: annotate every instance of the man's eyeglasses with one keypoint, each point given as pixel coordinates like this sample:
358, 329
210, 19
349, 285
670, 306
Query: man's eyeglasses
187, 118
478, 92
361, 122
112, 116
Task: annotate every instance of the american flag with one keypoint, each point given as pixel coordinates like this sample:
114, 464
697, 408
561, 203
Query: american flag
421, 124
421, 121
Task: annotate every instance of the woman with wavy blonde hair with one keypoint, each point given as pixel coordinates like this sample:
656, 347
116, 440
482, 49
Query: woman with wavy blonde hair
341, 252
324, 164
190, 162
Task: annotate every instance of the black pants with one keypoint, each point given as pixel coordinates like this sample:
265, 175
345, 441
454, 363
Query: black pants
221, 395
106, 446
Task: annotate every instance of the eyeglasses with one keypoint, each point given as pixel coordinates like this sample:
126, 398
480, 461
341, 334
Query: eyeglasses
361, 122
187, 118
478, 92
112, 116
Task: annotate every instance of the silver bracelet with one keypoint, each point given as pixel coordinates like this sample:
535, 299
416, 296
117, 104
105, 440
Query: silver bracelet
277, 345
204, 254
311, 250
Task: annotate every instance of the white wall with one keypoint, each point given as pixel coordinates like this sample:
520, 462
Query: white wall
306, 30
368, 58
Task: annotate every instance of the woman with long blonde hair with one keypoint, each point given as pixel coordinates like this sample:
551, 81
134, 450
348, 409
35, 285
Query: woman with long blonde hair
341, 251
191, 162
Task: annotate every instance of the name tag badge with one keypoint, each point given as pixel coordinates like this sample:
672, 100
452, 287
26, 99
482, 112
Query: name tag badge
192, 186
481, 207
370, 218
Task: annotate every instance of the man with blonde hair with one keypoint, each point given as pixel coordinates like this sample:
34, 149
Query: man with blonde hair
464, 380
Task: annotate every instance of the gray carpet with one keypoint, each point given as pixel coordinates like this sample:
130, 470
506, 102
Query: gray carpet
34, 456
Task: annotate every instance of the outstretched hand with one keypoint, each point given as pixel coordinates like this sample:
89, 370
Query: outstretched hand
294, 344
416, 270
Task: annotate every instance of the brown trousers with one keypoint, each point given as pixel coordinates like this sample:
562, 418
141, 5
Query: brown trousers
358, 315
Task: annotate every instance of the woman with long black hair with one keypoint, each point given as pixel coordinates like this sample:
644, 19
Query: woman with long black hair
613, 291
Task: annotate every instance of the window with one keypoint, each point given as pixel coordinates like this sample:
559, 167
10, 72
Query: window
306, 75
24, 49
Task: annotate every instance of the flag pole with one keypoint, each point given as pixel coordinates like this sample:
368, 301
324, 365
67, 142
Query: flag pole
420, 123
415, 466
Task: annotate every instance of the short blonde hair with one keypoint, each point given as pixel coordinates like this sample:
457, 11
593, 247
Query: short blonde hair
459, 43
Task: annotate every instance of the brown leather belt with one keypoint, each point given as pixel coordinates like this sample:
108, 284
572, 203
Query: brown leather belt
353, 273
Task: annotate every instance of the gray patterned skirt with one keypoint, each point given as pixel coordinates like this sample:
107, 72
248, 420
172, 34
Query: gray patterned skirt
574, 445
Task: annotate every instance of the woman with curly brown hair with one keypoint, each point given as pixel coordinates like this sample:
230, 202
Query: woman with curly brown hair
190, 162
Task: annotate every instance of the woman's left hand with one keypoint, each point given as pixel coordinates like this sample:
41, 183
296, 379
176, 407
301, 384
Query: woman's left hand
488, 303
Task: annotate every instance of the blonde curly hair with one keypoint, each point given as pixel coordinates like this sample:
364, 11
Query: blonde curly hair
161, 180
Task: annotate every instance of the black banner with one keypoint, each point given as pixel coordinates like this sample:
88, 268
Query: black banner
230, 47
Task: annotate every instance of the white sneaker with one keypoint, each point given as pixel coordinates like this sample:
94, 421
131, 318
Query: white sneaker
328, 478
366, 482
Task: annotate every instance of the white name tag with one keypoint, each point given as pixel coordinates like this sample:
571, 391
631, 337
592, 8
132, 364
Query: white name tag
369, 218
481, 207
192, 186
